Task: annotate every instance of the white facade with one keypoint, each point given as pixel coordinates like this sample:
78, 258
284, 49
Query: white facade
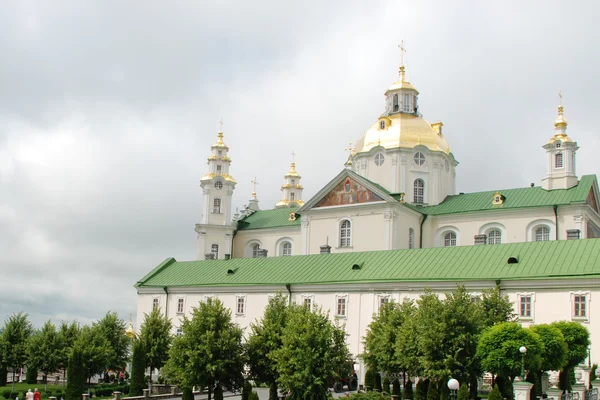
543, 301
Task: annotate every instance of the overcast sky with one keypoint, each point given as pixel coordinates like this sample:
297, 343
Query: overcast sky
108, 110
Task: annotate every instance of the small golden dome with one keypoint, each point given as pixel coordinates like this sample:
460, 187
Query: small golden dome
292, 172
404, 130
402, 83
560, 122
220, 142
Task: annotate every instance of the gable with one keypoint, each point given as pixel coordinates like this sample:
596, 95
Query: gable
591, 200
348, 191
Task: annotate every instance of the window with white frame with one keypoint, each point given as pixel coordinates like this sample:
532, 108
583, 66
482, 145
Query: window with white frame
382, 124
292, 196
307, 301
255, 250
214, 250
558, 160
449, 239
155, 303
418, 191
494, 236
475, 297
379, 159
542, 234
240, 305
180, 305
178, 331
383, 300
419, 158
345, 233
217, 206
580, 305
411, 238
286, 249
525, 303
341, 305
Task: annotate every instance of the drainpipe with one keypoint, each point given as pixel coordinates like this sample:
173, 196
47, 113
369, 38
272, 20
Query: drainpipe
421, 232
289, 289
166, 303
556, 221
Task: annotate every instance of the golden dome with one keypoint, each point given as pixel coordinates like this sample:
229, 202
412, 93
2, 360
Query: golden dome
289, 203
402, 83
402, 130
220, 142
292, 172
560, 122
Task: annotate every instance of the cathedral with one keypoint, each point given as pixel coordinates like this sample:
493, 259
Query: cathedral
398, 191
388, 226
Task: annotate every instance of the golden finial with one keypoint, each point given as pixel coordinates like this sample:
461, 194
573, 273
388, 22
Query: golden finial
221, 123
349, 148
354, 151
560, 122
402, 51
129, 331
255, 182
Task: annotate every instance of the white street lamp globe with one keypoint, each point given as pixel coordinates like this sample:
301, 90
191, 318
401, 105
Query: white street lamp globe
523, 349
453, 384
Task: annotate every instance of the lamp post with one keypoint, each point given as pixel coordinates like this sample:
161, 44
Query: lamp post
453, 386
523, 350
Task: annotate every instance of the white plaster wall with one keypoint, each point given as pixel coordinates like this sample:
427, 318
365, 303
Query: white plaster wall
267, 239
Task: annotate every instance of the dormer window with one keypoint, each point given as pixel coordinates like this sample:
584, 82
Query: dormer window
382, 124
497, 199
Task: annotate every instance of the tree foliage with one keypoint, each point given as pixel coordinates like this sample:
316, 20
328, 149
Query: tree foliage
3, 367
499, 352
15, 336
113, 329
265, 338
208, 351
554, 347
463, 392
155, 334
495, 308
45, 350
68, 333
431, 330
138, 369
577, 338
95, 350
313, 354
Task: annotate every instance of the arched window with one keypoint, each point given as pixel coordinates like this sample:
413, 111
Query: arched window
542, 234
255, 250
419, 191
346, 234
214, 250
382, 124
217, 206
396, 106
411, 238
450, 239
286, 249
494, 236
558, 160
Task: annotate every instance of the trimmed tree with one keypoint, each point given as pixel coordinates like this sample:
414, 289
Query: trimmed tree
155, 334
15, 336
138, 368
408, 390
463, 392
496, 309
209, 350
432, 391
44, 352
95, 351
313, 354
265, 338
577, 338
68, 334
76, 383
113, 329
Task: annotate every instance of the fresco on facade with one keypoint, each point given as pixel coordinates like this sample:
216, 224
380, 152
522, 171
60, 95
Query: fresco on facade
348, 191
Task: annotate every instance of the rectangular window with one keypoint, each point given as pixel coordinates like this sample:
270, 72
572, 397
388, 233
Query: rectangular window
180, 303
214, 251
525, 307
292, 196
155, 303
217, 206
307, 302
218, 169
579, 306
240, 308
480, 239
179, 331
383, 300
559, 160
406, 105
340, 310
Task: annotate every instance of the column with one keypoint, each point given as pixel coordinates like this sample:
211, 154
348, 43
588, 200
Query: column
522, 390
305, 234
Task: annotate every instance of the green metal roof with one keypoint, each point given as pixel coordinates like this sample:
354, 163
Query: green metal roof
536, 260
275, 218
513, 198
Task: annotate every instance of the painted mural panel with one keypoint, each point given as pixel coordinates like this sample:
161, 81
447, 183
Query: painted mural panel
348, 191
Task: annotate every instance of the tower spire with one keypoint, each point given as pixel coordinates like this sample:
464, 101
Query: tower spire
561, 122
402, 51
291, 189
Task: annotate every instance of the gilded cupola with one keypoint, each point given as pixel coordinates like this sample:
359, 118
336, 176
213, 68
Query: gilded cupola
291, 189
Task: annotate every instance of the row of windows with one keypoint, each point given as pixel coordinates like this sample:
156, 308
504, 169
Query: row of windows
409, 104
494, 236
285, 249
579, 306
240, 304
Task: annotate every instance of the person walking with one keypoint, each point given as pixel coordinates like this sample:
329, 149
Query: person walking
28, 395
37, 395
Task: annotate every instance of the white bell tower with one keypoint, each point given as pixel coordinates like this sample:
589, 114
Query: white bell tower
215, 230
560, 152
291, 190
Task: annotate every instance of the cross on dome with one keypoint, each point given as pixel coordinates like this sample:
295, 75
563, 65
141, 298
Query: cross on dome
221, 123
402, 51
254, 182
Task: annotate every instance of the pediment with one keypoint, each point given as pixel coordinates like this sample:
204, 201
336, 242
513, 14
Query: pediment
348, 191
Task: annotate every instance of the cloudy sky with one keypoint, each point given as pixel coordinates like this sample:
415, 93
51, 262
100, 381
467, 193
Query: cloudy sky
108, 110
